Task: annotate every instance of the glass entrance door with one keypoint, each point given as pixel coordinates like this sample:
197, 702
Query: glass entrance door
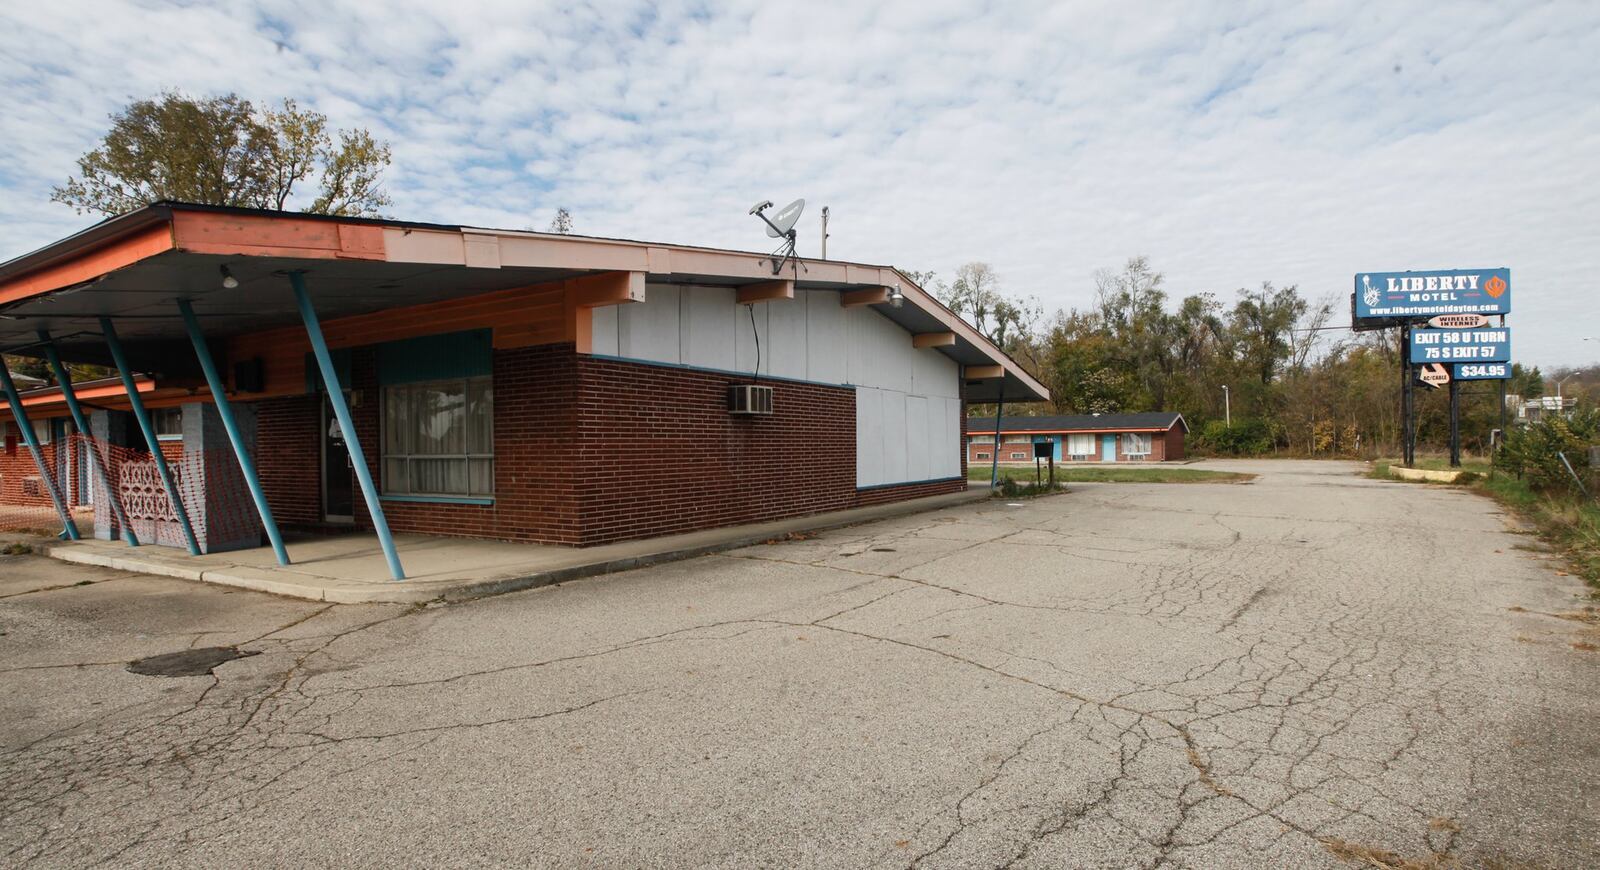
338, 486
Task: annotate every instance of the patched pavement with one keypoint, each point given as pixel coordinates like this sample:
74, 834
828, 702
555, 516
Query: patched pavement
1309, 670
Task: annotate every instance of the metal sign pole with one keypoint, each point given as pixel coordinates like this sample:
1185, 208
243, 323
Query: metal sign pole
1455, 423
1408, 400
994, 470
1503, 422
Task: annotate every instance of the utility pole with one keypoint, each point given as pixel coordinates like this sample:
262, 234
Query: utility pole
824, 232
1227, 407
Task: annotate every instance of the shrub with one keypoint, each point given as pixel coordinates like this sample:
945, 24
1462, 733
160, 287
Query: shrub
1010, 487
1533, 452
1246, 437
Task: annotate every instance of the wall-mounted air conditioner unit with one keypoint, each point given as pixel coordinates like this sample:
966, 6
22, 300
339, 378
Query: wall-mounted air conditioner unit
749, 399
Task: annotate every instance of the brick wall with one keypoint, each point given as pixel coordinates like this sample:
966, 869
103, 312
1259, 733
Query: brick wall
662, 454
18, 474
287, 460
591, 451
536, 484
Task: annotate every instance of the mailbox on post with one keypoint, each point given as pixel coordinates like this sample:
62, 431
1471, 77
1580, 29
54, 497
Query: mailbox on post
1045, 450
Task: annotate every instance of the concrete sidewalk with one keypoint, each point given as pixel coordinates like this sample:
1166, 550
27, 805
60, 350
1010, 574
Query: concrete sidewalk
350, 569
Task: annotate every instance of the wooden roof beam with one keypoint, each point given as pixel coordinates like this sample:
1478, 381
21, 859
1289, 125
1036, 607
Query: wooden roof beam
766, 291
606, 288
869, 296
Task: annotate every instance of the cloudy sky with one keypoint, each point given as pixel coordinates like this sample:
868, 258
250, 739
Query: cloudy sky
1293, 143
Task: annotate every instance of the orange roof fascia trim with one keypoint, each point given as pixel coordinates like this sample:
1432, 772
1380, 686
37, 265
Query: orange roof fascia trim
104, 391
264, 236
116, 255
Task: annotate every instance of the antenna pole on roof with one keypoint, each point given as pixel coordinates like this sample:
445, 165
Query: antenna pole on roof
824, 232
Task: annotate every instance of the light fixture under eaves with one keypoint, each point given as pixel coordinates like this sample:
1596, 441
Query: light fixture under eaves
228, 281
896, 298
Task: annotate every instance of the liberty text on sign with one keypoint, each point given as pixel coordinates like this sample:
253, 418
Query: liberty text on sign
1430, 293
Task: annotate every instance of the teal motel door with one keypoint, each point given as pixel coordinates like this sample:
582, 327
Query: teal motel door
1108, 448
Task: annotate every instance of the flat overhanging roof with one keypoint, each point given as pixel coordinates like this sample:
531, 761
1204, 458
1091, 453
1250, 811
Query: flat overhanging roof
133, 268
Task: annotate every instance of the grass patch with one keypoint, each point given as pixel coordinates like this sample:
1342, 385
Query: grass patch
1571, 525
15, 548
1114, 474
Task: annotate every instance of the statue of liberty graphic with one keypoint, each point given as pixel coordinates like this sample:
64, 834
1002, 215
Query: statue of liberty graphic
1370, 295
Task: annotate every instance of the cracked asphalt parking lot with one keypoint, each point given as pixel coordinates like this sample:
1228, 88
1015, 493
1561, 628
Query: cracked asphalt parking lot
1309, 670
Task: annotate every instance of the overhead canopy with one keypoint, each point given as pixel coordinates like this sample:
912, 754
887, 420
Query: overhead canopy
133, 268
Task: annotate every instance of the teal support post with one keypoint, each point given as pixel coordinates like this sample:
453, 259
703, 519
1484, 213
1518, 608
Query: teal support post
21, 416
341, 411
145, 426
64, 378
241, 450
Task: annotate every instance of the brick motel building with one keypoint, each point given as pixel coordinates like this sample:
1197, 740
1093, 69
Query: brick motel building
1153, 436
335, 374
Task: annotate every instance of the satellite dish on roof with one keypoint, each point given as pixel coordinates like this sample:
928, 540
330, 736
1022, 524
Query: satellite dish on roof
785, 219
781, 226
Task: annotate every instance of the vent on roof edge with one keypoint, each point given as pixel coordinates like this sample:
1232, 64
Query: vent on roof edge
749, 399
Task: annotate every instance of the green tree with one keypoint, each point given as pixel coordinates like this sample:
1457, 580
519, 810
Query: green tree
224, 151
976, 296
1081, 374
1263, 324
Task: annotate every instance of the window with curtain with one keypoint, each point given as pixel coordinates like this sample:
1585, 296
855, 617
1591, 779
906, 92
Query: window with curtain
1080, 445
1135, 444
438, 438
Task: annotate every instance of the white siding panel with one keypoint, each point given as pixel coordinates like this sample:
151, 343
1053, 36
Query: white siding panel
934, 374
880, 353
895, 438
603, 328
921, 440
869, 437
947, 459
708, 327
649, 330
906, 439
786, 333
827, 337
745, 345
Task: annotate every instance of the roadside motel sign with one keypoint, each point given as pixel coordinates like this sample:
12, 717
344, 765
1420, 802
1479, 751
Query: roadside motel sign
1491, 344
1429, 293
1482, 371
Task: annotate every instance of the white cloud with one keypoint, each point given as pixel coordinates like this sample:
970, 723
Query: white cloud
1295, 144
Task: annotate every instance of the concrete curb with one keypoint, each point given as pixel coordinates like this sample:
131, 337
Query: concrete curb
1425, 474
420, 591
